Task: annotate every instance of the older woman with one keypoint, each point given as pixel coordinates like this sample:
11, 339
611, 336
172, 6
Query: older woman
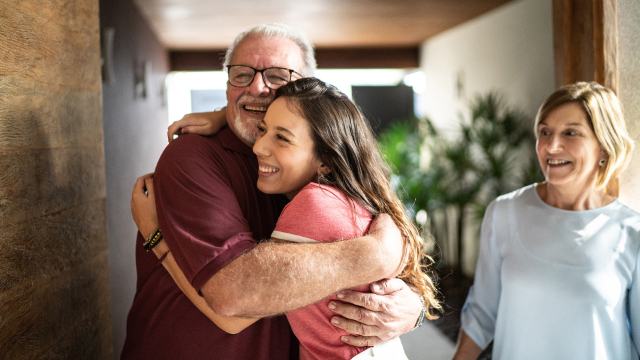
558, 275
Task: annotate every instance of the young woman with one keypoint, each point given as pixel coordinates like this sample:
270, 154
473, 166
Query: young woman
558, 275
316, 147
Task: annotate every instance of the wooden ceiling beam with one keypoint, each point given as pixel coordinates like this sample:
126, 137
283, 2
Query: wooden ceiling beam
328, 58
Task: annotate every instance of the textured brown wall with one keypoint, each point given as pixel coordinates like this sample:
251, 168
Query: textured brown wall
54, 294
629, 42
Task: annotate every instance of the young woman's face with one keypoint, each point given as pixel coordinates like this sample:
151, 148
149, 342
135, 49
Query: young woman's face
567, 149
285, 150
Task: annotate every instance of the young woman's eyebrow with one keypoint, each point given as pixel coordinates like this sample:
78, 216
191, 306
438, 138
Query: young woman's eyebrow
284, 129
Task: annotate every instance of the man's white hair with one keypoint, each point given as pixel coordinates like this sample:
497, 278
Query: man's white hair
278, 31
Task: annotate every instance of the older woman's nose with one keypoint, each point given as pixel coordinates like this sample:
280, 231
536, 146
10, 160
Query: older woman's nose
555, 143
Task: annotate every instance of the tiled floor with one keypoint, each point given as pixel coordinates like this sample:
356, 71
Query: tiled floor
427, 343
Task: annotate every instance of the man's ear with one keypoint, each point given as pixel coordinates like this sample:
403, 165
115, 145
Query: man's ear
323, 169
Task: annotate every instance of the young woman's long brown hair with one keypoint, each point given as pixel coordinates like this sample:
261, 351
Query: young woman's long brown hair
345, 143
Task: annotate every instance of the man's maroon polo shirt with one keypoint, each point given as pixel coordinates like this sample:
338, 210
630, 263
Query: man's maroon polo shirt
210, 212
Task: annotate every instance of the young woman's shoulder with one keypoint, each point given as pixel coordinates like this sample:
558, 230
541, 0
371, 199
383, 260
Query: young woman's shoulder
314, 194
323, 213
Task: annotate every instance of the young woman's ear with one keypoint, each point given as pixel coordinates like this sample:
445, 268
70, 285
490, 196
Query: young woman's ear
324, 169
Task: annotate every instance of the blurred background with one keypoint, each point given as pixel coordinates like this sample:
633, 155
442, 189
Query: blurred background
89, 87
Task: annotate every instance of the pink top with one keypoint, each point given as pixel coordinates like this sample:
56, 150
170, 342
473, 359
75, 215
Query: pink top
321, 213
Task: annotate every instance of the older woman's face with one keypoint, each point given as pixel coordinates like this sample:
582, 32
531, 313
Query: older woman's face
567, 149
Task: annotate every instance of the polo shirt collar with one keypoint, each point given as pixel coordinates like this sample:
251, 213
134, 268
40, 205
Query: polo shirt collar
230, 141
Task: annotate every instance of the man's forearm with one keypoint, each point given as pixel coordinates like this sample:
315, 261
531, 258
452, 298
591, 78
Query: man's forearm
276, 277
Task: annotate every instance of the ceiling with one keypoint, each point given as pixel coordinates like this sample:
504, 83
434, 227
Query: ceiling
212, 24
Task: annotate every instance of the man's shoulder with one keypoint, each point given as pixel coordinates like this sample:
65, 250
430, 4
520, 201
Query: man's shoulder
190, 154
222, 144
190, 144
196, 148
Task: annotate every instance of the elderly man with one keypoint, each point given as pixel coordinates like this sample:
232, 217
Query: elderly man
213, 218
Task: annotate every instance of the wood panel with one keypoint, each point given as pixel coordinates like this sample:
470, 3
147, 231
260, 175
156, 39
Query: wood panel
585, 41
607, 69
196, 60
327, 58
54, 292
57, 242
52, 43
369, 57
45, 181
61, 317
212, 24
33, 121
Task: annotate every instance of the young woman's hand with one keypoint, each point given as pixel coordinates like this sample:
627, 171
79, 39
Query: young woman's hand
390, 310
143, 205
202, 123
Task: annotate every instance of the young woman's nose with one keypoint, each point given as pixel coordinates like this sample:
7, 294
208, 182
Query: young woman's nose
260, 147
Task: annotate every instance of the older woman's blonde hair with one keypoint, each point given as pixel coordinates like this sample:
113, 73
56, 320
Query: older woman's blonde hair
604, 114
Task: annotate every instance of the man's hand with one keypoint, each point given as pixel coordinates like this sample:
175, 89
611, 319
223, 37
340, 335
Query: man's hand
202, 123
143, 205
372, 318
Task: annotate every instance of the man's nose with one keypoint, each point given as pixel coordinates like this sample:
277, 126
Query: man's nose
258, 87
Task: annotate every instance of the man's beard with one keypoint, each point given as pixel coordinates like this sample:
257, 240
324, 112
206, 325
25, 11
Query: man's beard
246, 129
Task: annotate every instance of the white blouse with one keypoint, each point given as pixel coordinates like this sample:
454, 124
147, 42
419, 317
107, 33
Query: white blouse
556, 284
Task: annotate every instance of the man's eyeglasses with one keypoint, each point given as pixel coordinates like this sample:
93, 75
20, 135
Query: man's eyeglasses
273, 77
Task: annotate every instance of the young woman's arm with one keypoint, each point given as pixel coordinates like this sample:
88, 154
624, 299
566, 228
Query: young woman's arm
144, 211
202, 123
231, 325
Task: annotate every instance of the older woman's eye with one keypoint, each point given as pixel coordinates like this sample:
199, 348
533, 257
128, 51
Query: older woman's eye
544, 132
571, 132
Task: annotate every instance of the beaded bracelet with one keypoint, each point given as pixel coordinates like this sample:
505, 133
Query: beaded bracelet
153, 240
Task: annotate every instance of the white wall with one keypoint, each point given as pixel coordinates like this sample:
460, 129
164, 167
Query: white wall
629, 68
509, 50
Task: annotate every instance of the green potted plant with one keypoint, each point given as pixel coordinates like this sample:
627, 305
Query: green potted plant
491, 155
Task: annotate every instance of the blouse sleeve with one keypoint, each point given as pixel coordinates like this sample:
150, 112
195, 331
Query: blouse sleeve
481, 306
634, 305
